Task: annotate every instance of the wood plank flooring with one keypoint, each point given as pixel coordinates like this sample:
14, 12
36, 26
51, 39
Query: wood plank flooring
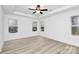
38, 45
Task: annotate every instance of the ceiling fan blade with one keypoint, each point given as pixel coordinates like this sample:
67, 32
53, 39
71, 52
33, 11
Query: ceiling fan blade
43, 9
41, 13
31, 9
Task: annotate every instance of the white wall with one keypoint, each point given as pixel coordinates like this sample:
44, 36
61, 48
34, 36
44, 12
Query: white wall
58, 27
1, 28
24, 27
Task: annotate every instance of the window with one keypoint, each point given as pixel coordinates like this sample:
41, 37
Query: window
13, 28
34, 26
75, 25
42, 25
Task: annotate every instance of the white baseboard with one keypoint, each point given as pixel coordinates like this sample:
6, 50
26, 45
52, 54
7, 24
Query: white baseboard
22, 37
70, 42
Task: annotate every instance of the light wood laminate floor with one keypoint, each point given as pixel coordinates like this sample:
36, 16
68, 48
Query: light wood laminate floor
38, 45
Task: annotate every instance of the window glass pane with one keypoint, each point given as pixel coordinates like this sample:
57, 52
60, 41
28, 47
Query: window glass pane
75, 30
75, 20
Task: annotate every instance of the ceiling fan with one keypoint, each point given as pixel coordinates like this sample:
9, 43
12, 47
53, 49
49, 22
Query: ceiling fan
38, 9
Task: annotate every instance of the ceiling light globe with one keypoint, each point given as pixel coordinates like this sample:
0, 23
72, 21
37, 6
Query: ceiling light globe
37, 11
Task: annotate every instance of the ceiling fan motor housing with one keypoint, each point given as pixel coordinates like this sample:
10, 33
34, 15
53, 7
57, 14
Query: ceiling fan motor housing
38, 10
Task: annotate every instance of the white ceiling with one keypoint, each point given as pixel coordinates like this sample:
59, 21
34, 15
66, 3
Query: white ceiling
23, 9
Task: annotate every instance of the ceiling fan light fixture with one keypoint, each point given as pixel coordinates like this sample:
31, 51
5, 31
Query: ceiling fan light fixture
37, 11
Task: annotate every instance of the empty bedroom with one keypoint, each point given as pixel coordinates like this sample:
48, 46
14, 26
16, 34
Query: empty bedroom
39, 29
